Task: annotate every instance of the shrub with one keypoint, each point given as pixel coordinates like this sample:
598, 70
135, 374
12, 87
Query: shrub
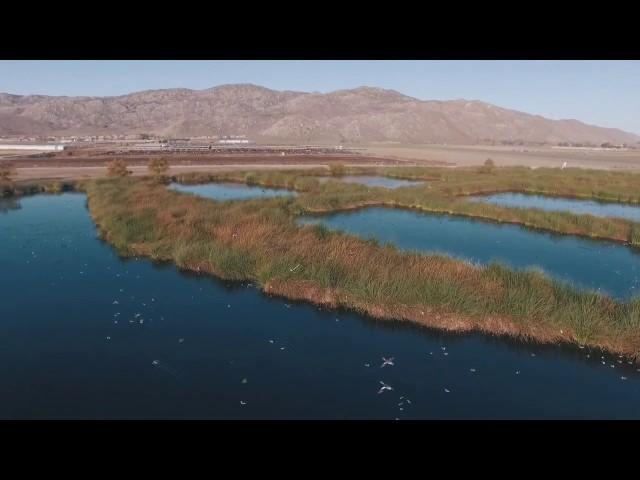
158, 166
7, 171
251, 179
634, 237
488, 166
337, 169
117, 168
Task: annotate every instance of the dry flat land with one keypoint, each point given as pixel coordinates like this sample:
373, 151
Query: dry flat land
462, 155
62, 166
89, 164
79, 173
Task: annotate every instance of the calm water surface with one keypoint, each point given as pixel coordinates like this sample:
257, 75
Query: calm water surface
606, 266
600, 209
374, 181
231, 191
85, 334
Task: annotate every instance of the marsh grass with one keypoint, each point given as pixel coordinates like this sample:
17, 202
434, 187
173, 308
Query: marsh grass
337, 169
260, 241
19, 189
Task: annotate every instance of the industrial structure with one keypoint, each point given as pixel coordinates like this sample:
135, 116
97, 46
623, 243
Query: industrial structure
45, 147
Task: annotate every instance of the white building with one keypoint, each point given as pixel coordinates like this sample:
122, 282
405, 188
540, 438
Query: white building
48, 147
235, 141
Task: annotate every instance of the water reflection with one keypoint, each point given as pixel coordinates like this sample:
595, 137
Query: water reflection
231, 191
147, 341
374, 181
600, 209
598, 265
8, 204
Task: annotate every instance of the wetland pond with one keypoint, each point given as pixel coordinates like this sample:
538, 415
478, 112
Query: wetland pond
608, 267
599, 209
231, 191
86, 334
374, 181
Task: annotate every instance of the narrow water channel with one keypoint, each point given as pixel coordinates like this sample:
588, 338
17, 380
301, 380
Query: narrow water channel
374, 181
231, 191
599, 209
608, 267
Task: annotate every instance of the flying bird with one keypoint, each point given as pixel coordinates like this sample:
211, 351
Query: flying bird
387, 361
384, 387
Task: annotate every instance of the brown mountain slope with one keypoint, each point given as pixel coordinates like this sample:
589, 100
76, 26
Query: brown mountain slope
363, 114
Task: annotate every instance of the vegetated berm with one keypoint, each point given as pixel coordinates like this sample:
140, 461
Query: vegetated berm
359, 115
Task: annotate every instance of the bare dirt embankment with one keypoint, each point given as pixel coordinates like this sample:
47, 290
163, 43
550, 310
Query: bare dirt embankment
69, 167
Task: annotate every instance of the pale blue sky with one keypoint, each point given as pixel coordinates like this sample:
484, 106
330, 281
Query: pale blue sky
605, 93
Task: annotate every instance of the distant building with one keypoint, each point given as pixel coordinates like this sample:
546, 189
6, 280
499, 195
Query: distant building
48, 147
235, 141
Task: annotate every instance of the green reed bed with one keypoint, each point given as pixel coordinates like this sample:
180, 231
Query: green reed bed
259, 241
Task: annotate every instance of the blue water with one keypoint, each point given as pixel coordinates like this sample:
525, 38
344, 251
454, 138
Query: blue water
375, 181
600, 209
8, 204
231, 191
603, 266
200, 338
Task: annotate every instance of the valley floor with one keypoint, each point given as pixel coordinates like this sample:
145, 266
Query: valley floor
462, 155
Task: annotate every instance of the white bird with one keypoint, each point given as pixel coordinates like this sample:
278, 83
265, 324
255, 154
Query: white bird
564, 165
242, 403
155, 362
384, 387
387, 361
447, 390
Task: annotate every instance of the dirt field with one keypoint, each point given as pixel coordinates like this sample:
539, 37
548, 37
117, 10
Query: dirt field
72, 173
76, 168
503, 156
82, 165
66, 167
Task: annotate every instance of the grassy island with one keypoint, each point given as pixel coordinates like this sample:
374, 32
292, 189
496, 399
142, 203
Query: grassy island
260, 241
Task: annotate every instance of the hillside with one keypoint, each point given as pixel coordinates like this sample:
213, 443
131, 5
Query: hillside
359, 115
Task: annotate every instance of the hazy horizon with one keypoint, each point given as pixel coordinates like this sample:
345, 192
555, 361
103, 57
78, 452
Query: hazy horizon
603, 93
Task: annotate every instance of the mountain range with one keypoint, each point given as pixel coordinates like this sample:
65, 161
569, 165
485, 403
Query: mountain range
359, 115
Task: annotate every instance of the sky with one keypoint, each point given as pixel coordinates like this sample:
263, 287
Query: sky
605, 93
